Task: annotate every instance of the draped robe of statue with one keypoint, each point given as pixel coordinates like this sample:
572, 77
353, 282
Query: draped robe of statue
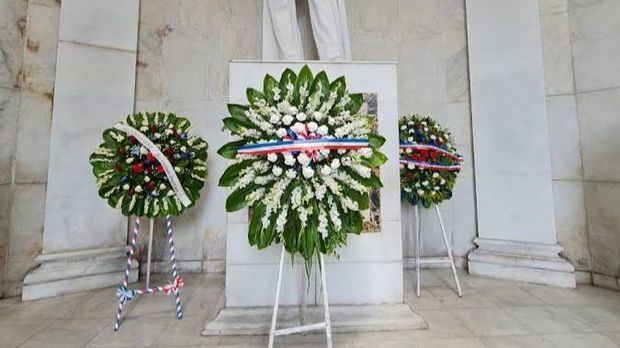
282, 39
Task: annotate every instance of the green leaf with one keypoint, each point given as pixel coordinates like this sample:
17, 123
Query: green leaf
339, 86
236, 200
269, 83
254, 96
320, 85
231, 173
376, 159
375, 141
303, 79
256, 224
356, 103
229, 150
288, 76
238, 111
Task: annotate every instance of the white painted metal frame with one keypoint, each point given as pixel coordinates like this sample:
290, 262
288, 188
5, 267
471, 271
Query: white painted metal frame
150, 252
326, 324
419, 260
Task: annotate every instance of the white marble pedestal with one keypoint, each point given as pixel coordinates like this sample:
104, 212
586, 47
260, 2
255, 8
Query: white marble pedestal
369, 272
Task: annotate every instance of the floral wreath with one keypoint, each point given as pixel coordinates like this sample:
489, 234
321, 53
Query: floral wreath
148, 165
429, 162
304, 163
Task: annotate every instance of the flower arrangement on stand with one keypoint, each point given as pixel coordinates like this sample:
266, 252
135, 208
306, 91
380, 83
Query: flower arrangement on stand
303, 162
150, 166
429, 162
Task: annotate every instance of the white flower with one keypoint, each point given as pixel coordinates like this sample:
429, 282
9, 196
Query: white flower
424, 123
442, 181
435, 175
177, 169
301, 116
303, 159
287, 119
143, 150
129, 160
272, 157
426, 129
326, 170
420, 192
411, 166
331, 121
143, 129
299, 127
277, 171
323, 130
410, 139
291, 174
335, 164
308, 172
162, 186
346, 161
183, 148
126, 187
436, 188
317, 115
281, 132
274, 118
147, 179
325, 152
365, 152
401, 166
425, 183
157, 135
293, 110
408, 150
403, 127
342, 151
168, 131
138, 188
433, 137
289, 160
170, 193
312, 126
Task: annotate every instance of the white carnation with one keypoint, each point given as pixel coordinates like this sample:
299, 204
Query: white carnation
274, 118
312, 126
303, 159
289, 160
272, 157
287, 120
326, 170
317, 115
138, 188
411, 166
301, 116
308, 172
277, 171
299, 127
323, 130
365, 152
335, 164
420, 192
291, 174
281, 132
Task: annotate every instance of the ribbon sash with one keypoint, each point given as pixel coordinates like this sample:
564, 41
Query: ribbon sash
430, 166
161, 158
306, 145
430, 147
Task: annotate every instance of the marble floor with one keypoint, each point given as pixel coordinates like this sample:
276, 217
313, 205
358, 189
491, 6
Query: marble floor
492, 313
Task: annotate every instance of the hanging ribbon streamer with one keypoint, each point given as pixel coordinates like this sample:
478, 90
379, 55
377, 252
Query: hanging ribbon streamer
430, 166
163, 160
429, 147
421, 148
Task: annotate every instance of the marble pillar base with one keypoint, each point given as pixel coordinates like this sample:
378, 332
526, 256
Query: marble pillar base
76, 271
257, 320
606, 281
528, 262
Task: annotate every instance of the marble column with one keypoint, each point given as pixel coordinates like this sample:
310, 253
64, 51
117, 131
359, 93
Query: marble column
516, 229
84, 239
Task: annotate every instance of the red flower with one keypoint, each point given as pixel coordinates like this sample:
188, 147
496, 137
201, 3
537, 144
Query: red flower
150, 186
169, 151
137, 168
153, 128
118, 166
150, 157
122, 151
132, 139
160, 169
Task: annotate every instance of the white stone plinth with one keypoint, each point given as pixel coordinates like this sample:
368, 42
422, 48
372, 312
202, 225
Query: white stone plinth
511, 145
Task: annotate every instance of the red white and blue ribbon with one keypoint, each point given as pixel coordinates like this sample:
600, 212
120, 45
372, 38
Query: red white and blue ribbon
431, 166
305, 145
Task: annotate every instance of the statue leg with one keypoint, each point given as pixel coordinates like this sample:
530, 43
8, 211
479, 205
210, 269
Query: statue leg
281, 36
329, 25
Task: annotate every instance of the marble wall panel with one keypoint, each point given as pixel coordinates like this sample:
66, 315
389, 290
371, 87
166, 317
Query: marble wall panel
33, 139
9, 106
557, 56
570, 222
564, 138
603, 207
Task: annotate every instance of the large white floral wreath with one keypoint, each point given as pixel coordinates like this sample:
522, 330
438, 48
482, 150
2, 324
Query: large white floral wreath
149, 165
304, 163
429, 162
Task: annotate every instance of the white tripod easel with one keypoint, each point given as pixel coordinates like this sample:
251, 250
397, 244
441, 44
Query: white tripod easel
419, 260
326, 324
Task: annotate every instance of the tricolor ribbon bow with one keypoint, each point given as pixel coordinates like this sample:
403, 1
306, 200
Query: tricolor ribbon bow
125, 294
174, 285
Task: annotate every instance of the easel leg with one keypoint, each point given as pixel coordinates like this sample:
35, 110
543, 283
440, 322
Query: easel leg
150, 252
445, 239
417, 249
274, 317
125, 283
328, 323
173, 262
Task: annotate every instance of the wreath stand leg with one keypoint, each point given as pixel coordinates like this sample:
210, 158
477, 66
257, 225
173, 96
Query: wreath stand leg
125, 294
326, 324
449, 259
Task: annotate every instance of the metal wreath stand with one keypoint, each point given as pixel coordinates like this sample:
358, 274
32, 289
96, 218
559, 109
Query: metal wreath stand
419, 260
125, 294
326, 324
